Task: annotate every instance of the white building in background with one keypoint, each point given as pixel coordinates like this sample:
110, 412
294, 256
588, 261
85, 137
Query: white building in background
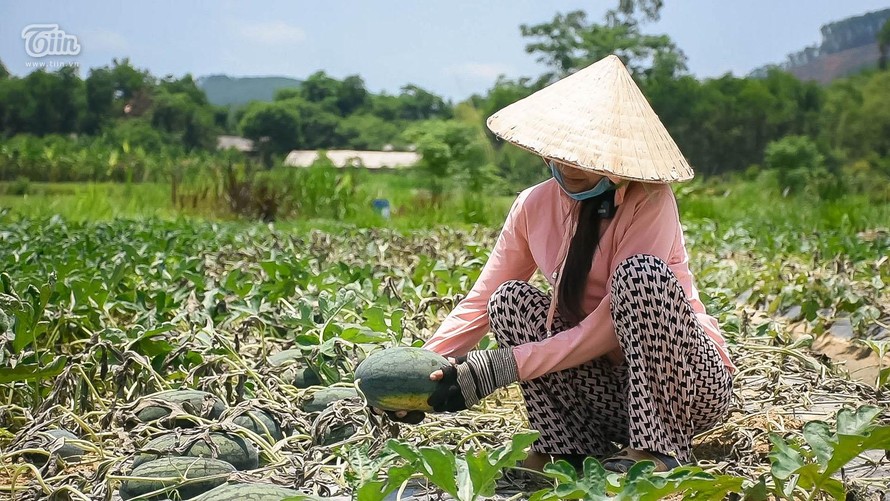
354, 158
241, 144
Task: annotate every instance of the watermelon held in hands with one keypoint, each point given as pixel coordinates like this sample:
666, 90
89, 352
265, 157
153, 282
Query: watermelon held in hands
397, 379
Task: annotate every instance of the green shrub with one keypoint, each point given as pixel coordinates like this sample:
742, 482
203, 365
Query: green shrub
138, 133
801, 168
21, 186
870, 177
318, 191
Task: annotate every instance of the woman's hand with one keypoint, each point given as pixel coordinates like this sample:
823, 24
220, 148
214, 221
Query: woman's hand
437, 375
409, 417
470, 379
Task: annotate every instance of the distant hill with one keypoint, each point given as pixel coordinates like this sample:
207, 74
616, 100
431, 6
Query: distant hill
223, 90
848, 46
828, 67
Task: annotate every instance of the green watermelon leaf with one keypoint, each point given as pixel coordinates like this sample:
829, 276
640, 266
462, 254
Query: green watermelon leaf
785, 459
375, 319
465, 478
644, 484
439, 467
591, 485
756, 492
699, 488
28, 372
485, 468
850, 446
561, 471
359, 335
821, 439
404, 450
856, 422
883, 377
544, 495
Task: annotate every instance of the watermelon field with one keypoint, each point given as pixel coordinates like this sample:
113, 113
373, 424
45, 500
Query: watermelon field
162, 358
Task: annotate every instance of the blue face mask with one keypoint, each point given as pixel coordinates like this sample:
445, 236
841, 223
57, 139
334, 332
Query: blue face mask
604, 185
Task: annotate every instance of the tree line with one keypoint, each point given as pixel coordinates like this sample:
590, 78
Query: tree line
127, 103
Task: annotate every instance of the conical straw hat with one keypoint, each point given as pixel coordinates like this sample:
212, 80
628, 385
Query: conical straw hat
596, 119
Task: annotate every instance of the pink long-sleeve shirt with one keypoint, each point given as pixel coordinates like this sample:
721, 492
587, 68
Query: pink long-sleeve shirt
540, 221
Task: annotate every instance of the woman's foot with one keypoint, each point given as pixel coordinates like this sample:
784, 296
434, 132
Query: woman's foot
537, 460
624, 459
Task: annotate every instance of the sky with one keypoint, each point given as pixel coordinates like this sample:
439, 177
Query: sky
454, 48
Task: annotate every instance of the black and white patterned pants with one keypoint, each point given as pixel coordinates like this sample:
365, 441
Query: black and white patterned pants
672, 385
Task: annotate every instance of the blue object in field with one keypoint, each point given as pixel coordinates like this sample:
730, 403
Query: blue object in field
381, 205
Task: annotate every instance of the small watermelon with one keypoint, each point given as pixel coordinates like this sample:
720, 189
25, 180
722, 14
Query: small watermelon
253, 492
397, 379
191, 401
260, 422
296, 372
55, 442
326, 396
230, 448
177, 477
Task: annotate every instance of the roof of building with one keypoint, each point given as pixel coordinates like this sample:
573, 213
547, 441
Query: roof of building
235, 142
354, 158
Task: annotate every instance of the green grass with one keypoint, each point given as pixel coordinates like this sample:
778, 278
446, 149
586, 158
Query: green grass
761, 207
777, 225
399, 186
411, 205
91, 201
755, 206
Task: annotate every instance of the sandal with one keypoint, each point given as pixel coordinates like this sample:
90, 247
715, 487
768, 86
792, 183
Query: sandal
624, 459
528, 479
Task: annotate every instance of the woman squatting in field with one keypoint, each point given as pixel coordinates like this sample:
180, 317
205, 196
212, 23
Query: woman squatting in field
622, 352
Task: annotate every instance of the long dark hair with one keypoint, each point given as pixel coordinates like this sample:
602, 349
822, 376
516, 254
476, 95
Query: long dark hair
579, 259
